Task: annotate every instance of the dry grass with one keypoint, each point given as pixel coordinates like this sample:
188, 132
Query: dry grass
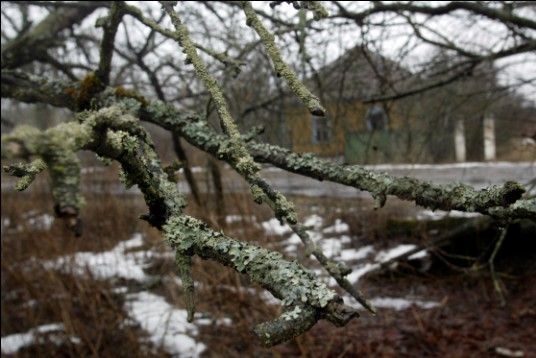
33, 294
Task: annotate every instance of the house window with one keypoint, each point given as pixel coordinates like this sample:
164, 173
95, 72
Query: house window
321, 129
376, 119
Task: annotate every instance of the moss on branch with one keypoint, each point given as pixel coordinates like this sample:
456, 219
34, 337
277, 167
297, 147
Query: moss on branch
84, 91
184, 264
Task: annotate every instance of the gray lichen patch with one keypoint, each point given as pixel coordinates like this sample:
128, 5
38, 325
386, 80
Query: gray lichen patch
288, 281
309, 299
57, 148
290, 324
184, 266
522, 208
454, 197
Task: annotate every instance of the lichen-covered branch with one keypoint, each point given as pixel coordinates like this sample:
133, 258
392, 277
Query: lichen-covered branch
56, 151
112, 132
458, 197
283, 70
27, 172
520, 209
228, 124
288, 281
455, 197
489, 201
261, 190
291, 323
337, 270
281, 206
184, 265
222, 57
235, 150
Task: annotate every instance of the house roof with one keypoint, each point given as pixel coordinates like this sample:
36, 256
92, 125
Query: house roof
358, 74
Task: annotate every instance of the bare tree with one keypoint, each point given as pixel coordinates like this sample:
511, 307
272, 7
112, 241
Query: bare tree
139, 75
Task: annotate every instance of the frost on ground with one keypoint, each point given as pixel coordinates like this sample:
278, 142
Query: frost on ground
12, 343
167, 325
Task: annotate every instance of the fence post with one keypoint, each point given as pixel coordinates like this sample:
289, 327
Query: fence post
489, 138
459, 141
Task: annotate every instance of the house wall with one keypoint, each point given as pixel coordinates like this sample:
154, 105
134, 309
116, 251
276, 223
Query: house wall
341, 118
345, 118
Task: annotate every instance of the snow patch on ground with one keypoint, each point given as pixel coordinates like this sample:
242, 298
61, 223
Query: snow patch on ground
331, 247
274, 227
314, 222
36, 221
401, 303
386, 255
206, 321
42, 222
12, 343
395, 303
167, 326
116, 263
428, 214
338, 228
359, 254
231, 219
359, 272
291, 244
381, 257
